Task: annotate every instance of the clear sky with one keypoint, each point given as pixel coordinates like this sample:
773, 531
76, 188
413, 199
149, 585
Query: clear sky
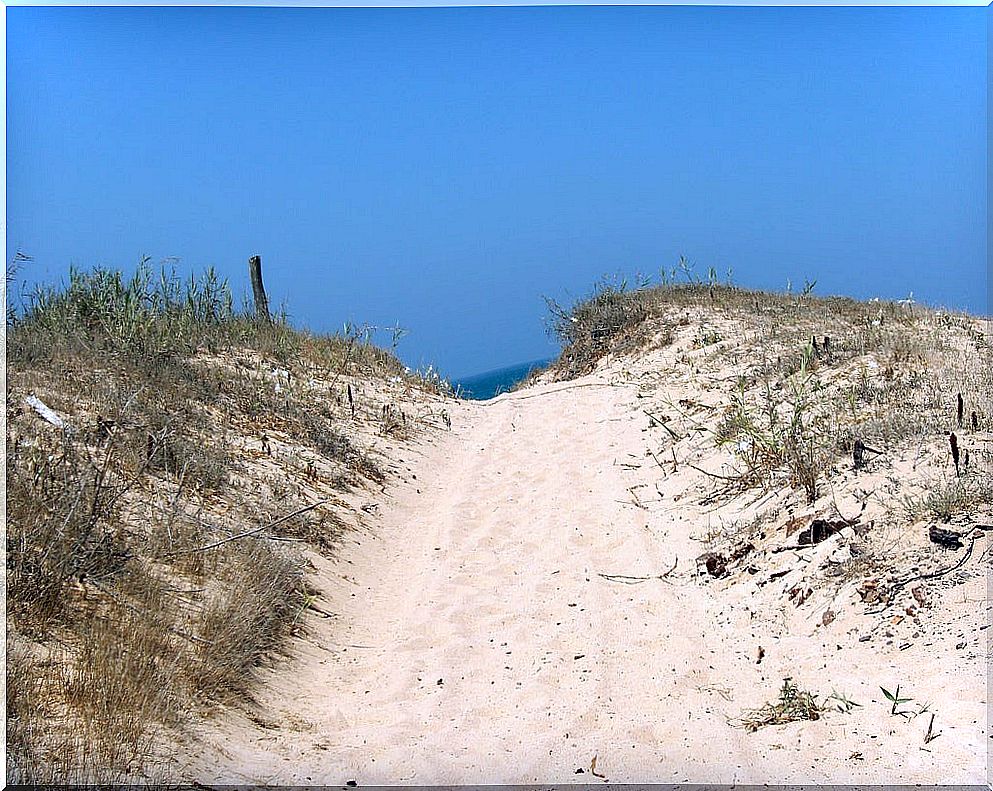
445, 168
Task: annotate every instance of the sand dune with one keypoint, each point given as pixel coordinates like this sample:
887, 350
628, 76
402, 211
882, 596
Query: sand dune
529, 601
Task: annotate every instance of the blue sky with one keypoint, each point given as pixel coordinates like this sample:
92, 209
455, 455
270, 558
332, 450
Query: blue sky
445, 168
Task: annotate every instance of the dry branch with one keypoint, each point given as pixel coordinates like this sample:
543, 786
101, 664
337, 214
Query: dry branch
629, 579
254, 530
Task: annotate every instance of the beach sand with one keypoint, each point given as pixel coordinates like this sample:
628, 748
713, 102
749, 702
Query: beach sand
493, 626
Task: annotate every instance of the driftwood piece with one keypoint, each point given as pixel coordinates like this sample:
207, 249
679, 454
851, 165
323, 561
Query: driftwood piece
716, 564
44, 412
819, 530
944, 537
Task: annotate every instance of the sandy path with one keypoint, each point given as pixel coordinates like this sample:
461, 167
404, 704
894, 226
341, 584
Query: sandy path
475, 642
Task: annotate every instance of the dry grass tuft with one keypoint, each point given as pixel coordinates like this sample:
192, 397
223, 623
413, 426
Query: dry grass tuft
613, 319
794, 705
262, 598
946, 500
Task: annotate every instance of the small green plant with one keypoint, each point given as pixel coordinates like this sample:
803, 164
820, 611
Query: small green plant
842, 702
707, 336
897, 701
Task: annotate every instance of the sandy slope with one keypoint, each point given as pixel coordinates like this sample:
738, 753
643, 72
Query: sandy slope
473, 639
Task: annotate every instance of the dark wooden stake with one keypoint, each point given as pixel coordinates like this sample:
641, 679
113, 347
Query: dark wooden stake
258, 290
858, 453
961, 408
975, 420
954, 442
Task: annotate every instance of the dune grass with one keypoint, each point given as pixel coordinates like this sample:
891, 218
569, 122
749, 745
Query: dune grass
129, 603
816, 376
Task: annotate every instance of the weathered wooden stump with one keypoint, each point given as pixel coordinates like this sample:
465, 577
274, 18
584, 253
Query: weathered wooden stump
258, 289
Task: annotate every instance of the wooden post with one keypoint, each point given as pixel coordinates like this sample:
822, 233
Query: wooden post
258, 290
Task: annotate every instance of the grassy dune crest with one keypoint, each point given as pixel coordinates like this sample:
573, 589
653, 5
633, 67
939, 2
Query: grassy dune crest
170, 463
816, 378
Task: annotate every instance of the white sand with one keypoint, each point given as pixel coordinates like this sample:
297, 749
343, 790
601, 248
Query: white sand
473, 640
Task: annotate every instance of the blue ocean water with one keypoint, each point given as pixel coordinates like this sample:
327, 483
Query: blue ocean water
492, 383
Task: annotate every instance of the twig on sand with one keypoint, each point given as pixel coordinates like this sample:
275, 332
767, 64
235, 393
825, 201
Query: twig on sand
625, 578
635, 499
939, 573
662, 422
652, 454
712, 474
629, 579
559, 390
254, 530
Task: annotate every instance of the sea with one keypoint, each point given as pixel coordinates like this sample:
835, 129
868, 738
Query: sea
487, 385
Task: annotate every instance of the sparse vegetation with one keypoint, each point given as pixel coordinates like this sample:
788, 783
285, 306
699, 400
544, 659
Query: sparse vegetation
821, 374
766, 441
842, 702
153, 542
943, 501
794, 704
615, 318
